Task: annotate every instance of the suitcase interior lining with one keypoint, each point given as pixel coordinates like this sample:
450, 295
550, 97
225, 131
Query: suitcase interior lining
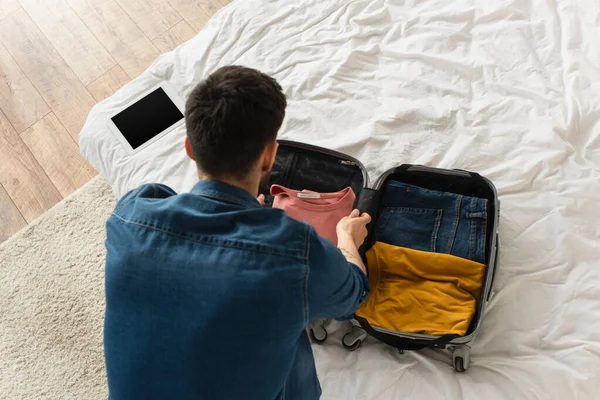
466, 186
301, 169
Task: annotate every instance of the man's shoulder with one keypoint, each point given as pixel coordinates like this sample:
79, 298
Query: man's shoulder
147, 190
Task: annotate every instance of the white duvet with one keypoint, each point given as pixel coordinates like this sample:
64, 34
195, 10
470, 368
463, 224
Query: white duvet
510, 89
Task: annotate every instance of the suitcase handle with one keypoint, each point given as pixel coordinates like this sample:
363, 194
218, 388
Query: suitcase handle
425, 168
368, 200
452, 172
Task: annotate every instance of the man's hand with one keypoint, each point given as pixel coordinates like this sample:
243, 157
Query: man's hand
261, 199
351, 233
355, 226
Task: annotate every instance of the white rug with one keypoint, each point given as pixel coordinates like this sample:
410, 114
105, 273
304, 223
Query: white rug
52, 301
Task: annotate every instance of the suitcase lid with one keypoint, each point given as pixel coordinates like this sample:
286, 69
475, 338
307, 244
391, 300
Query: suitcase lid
302, 166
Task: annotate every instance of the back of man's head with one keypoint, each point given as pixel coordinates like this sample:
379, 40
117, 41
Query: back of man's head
231, 117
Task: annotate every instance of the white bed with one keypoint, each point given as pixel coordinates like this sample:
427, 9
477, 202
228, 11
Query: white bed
510, 89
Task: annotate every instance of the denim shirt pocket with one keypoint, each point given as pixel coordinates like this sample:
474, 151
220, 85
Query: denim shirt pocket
415, 228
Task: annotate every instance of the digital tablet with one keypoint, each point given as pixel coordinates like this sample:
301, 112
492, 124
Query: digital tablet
145, 120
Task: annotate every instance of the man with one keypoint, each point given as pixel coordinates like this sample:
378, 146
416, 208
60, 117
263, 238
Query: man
208, 293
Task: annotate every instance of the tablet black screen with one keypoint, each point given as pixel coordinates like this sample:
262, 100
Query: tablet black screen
147, 118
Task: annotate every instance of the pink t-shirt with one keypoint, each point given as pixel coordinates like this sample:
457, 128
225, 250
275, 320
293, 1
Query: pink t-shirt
322, 210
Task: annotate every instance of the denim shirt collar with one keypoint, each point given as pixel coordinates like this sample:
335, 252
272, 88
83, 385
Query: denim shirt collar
221, 191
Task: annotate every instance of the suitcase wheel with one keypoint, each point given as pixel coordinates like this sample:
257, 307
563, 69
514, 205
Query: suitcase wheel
354, 339
318, 334
351, 343
461, 358
459, 365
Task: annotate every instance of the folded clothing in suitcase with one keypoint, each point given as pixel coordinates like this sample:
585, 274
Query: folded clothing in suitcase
426, 268
322, 210
420, 291
300, 166
432, 220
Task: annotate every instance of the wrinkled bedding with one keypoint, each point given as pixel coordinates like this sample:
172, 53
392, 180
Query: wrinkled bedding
510, 89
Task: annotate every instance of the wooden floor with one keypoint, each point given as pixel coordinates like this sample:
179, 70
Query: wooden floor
57, 59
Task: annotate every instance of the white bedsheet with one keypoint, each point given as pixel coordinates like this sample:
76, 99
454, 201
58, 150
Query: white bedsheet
510, 89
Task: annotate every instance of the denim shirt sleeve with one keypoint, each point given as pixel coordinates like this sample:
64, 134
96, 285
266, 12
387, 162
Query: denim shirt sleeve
335, 286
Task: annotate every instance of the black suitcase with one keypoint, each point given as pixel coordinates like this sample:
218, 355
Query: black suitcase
301, 166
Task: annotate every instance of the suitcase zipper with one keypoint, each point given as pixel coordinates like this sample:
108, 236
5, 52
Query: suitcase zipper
411, 336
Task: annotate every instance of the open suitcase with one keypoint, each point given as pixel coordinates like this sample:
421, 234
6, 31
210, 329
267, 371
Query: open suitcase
301, 166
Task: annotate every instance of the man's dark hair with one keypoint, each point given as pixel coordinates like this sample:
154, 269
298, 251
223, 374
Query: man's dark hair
230, 117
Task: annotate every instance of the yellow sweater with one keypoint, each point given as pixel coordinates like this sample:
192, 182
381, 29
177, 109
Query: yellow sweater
421, 292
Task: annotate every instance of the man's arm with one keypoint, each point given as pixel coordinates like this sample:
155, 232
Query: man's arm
337, 282
351, 233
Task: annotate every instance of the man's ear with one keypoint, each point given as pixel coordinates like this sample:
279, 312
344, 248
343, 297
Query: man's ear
188, 148
269, 157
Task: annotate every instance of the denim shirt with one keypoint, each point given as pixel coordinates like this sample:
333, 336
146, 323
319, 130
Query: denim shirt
208, 295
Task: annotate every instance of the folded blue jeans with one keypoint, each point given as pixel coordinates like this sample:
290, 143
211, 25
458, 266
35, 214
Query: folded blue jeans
432, 220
